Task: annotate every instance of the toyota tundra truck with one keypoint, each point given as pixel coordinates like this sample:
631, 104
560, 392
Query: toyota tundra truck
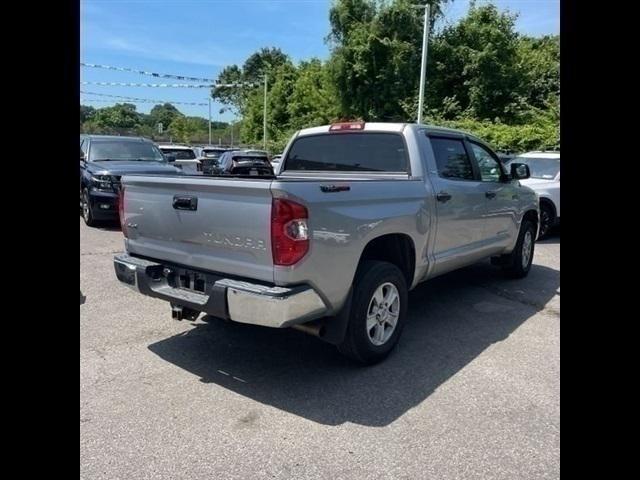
357, 215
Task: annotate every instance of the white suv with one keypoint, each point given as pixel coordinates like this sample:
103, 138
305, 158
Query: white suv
545, 181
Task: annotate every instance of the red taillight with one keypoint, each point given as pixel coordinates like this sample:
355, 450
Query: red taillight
346, 126
289, 231
121, 210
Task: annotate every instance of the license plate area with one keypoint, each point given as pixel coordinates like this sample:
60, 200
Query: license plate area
189, 280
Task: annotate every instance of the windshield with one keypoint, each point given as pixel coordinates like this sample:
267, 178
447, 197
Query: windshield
545, 168
103, 150
179, 153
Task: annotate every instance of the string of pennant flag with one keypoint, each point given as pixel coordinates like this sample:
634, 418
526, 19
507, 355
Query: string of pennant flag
152, 74
168, 85
209, 82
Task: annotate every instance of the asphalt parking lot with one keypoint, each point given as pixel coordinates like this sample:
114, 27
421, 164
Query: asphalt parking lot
473, 390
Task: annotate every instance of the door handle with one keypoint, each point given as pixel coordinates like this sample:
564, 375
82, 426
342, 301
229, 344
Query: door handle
443, 197
490, 194
181, 202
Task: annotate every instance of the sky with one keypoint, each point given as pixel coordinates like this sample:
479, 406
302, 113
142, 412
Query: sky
198, 38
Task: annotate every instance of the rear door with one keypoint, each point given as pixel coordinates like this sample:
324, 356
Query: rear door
460, 203
219, 225
501, 198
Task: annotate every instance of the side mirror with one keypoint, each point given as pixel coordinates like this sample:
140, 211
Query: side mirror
520, 171
170, 158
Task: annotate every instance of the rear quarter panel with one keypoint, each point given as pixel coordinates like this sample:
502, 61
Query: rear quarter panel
341, 224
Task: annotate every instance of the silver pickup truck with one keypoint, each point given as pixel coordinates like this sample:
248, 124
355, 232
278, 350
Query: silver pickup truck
356, 215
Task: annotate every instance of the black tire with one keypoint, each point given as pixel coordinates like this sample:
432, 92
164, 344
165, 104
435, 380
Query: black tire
357, 343
514, 264
87, 210
546, 219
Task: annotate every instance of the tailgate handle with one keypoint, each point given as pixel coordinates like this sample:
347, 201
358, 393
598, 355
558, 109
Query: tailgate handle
181, 202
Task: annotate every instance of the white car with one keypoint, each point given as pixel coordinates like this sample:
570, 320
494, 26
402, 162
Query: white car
185, 157
545, 181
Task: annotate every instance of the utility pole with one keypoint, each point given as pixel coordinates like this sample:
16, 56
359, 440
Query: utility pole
264, 114
209, 119
423, 66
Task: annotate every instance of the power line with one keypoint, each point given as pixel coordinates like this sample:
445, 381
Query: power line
151, 74
141, 100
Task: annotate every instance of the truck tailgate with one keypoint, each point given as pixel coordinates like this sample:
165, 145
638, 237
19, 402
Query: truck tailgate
220, 225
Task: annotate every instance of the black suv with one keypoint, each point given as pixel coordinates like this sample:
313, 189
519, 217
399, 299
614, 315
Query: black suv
244, 162
210, 156
103, 160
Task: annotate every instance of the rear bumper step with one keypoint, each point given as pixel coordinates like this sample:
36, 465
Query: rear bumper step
216, 295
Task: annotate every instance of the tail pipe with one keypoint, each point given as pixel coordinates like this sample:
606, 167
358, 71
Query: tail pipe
312, 328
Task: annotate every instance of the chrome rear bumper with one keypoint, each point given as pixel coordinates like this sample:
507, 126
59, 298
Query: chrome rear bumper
237, 300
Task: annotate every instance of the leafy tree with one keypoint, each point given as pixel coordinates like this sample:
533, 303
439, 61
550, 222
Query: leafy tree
376, 55
121, 115
474, 66
164, 114
266, 60
181, 129
86, 113
539, 63
313, 99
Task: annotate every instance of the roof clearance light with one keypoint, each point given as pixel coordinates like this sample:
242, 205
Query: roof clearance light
346, 126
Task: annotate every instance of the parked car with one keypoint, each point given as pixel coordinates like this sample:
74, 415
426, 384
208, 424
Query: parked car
244, 162
209, 158
103, 160
257, 152
360, 214
183, 156
545, 181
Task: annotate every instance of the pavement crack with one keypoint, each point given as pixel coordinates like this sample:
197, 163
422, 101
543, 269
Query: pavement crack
515, 298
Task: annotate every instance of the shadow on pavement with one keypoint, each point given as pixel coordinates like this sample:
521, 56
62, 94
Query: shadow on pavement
110, 226
451, 320
552, 238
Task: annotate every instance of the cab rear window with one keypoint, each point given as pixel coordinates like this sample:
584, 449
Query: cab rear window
348, 152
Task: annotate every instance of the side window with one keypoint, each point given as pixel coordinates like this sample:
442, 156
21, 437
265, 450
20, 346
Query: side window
83, 147
452, 159
488, 165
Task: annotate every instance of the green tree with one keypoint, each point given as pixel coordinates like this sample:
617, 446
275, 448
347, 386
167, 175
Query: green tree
164, 114
313, 99
181, 129
477, 68
376, 54
86, 113
120, 116
266, 60
539, 63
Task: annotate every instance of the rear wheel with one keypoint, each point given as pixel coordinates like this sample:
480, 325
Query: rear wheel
378, 312
87, 210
